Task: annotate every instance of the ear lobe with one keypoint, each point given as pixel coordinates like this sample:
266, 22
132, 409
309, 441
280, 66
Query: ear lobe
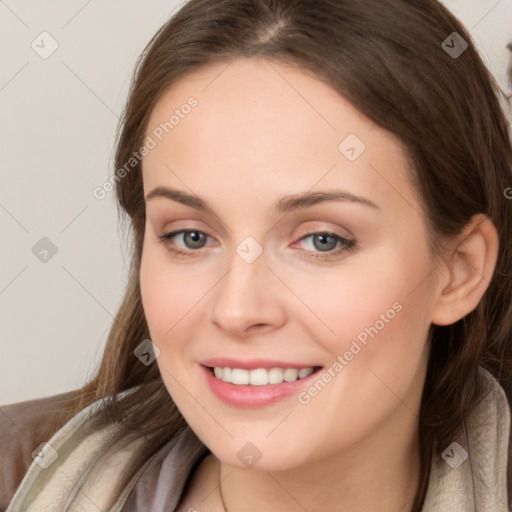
470, 268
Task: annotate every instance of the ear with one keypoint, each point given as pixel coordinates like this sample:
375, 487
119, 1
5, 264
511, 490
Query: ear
469, 268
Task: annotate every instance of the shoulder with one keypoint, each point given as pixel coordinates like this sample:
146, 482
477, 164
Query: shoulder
21, 426
497, 406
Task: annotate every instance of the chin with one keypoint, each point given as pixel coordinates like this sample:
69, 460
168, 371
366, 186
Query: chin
260, 456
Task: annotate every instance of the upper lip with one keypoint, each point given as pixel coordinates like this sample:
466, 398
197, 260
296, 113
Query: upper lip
252, 364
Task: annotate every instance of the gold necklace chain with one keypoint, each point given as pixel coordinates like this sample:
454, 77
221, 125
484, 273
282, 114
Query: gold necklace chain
220, 491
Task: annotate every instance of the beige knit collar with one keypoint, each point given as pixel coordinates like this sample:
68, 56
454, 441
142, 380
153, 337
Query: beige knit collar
457, 484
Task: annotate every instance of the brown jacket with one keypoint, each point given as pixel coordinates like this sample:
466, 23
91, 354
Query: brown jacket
20, 424
162, 482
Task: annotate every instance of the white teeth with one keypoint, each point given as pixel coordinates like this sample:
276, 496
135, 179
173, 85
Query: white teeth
290, 374
275, 376
304, 372
226, 374
260, 376
239, 376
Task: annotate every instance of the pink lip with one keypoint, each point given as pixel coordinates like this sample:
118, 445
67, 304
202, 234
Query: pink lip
254, 396
252, 364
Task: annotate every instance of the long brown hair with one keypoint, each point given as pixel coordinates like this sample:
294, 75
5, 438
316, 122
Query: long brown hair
387, 58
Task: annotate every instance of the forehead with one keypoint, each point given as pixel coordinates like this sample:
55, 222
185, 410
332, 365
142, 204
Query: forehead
262, 127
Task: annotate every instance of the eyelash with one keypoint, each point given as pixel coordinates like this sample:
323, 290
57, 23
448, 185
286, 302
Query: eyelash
346, 245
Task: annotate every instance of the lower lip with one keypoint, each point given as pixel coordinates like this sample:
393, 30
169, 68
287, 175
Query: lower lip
253, 396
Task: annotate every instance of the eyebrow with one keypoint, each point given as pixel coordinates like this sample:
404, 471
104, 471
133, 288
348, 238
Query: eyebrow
284, 204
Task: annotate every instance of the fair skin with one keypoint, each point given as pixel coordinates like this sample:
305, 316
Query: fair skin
261, 131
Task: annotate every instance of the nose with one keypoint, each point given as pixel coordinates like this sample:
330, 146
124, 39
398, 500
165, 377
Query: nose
248, 299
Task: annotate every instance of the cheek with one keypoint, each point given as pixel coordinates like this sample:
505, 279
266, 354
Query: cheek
168, 297
168, 300
155, 295
381, 305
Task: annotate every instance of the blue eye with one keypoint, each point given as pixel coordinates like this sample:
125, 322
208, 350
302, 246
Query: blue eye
328, 248
197, 238
324, 243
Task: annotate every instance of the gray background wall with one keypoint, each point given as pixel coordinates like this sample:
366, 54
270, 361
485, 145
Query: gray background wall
58, 120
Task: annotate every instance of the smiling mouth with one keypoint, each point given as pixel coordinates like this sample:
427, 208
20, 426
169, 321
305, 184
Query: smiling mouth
261, 376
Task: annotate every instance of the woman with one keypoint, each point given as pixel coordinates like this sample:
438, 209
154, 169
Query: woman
319, 310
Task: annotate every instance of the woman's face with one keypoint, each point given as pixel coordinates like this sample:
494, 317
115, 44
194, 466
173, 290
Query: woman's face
270, 281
